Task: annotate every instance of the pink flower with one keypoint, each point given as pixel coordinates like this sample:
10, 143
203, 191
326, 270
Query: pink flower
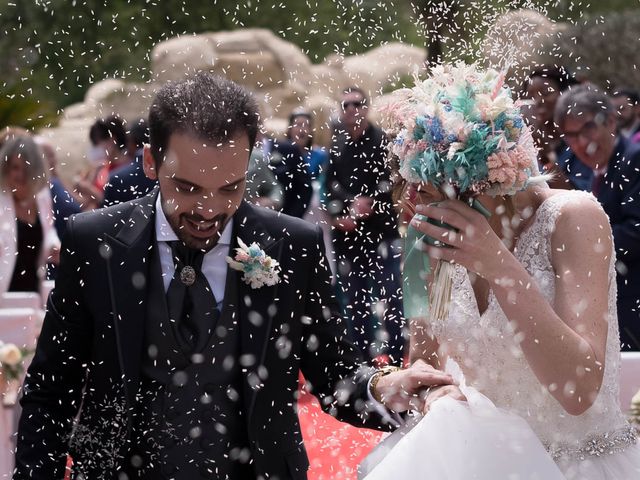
508, 169
241, 256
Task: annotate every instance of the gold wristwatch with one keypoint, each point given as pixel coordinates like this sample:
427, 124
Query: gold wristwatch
381, 372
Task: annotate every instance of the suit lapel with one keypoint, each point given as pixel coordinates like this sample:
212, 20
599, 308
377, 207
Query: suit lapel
255, 306
127, 269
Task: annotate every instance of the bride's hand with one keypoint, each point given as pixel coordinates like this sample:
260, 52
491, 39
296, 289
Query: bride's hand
445, 391
475, 245
404, 390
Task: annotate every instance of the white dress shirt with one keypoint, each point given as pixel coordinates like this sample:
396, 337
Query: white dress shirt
214, 265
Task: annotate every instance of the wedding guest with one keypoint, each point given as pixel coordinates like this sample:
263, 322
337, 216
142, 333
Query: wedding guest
543, 87
28, 240
109, 140
64, 201
107, 153
626, 103
263, 189
365, 230
129, 182
293, 175
137, 138
290, 162
587, 121
10, 132
300, 133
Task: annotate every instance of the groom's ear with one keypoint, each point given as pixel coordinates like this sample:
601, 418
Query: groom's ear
149, 163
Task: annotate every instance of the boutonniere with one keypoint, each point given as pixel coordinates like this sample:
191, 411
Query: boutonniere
259, 268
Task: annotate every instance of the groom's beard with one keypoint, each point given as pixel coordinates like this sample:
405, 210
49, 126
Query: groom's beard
197, 232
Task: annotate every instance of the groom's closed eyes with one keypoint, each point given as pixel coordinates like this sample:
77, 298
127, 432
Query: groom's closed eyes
185, 186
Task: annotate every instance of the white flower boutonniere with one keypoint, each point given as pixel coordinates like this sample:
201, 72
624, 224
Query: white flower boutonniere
259, 269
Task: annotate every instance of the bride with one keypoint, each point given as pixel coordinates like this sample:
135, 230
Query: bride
531, 329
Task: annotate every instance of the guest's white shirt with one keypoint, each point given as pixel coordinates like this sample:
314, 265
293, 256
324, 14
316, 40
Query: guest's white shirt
214, 265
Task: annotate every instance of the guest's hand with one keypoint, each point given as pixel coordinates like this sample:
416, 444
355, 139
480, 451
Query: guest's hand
405, 389
54, 255
87, 195
440, 392
362, 207
346, 224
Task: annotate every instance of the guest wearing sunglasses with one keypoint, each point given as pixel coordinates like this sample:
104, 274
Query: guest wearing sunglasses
587, 121
364, 230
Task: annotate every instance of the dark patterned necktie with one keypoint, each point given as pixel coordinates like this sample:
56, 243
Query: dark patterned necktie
190, 300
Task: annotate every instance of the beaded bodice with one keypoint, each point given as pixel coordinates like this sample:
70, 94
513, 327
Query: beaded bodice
487, 349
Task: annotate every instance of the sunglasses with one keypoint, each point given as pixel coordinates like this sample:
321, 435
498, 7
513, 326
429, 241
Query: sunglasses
354, 104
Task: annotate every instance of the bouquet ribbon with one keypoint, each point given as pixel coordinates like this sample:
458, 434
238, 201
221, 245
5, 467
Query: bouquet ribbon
415, 291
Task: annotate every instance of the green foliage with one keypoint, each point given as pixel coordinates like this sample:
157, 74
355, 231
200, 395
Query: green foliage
457, 28
24, 110
63, 46
55, 49
604, 52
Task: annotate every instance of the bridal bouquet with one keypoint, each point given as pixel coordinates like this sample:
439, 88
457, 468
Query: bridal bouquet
458, 130
461, 128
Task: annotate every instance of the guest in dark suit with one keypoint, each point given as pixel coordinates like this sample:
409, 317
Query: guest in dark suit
626, 102
292, 173
200, 382
587, 121
571, 171
365, 234
129, 181
543, 87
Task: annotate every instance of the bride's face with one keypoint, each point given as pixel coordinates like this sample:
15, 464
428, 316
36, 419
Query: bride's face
414, 194
425, 193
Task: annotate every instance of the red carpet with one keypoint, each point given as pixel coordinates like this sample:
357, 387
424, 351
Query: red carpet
335, 449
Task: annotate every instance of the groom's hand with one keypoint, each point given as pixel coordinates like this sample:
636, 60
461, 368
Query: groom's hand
406, 389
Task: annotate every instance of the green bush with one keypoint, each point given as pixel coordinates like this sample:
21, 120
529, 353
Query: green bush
604, 49
18, 108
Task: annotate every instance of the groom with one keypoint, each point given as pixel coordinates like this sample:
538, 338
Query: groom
156, 359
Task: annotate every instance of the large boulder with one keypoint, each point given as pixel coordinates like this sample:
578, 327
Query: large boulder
379, 68
604, 51
173, 58
111, 97
278, 72
254, 57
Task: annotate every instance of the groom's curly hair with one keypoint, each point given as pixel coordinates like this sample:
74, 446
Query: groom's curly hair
207, 106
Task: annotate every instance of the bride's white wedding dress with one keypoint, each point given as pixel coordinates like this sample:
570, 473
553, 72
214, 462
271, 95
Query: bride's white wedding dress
596, 445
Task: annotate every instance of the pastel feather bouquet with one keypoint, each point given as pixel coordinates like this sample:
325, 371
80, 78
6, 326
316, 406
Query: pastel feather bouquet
460, 127
460, 131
